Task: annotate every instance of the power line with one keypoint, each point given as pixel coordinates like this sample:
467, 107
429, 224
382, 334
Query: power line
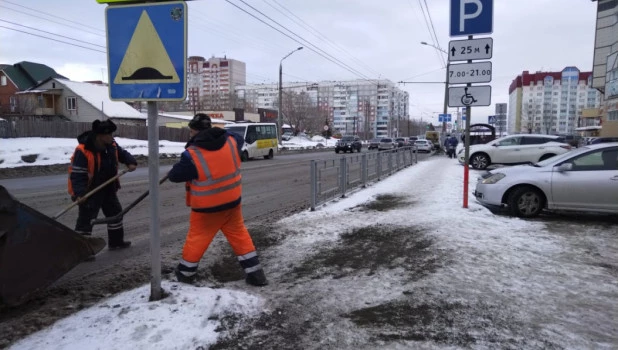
434, 29
51, 15
318, 34
47, 19
60, 41
430, 33
354, 71
46, 32
343, 65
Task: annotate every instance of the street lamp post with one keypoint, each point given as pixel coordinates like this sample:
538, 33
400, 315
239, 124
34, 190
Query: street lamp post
444, 109
280, 111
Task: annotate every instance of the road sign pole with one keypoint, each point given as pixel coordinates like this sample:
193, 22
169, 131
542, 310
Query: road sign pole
467, 149
153, 187
444, 109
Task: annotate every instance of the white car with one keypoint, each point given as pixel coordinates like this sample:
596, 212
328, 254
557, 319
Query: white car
386, 143
423, 145
585, 179
514, 149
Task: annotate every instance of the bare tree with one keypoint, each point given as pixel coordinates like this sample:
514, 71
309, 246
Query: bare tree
26, 104
300, 112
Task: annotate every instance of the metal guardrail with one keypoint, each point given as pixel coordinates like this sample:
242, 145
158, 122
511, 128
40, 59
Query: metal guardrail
334, 177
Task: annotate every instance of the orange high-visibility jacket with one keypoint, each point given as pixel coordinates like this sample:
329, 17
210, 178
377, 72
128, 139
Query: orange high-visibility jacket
219, 180
91, 164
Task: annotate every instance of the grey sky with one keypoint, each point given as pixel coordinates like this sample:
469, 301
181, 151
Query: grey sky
380, 39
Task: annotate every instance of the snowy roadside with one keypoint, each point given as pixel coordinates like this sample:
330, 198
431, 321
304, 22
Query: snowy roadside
398, 265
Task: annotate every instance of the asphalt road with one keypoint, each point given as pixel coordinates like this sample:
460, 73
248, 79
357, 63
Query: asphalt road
271, 189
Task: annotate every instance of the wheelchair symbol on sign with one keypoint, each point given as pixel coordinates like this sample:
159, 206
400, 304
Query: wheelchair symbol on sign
467, 99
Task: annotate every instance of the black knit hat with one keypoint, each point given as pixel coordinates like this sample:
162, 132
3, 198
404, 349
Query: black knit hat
103, 127
201, 121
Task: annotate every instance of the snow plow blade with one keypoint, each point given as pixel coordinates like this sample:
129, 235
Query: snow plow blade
35, 250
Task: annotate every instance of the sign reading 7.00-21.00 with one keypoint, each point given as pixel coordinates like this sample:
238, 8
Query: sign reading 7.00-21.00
464, 73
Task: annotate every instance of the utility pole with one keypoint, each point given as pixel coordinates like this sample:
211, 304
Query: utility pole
280, 111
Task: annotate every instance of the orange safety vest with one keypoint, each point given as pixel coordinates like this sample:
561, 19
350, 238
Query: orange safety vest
219, 180
91, 163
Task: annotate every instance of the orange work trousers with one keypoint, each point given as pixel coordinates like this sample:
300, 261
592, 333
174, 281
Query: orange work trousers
204, 226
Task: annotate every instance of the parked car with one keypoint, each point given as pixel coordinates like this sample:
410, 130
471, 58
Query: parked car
514, 149
386, 143
603, 140
401, 141
585, 179
348, 144
423, 145
286, 136
373, 144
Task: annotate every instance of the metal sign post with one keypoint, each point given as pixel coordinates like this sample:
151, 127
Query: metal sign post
470, 17
147, 57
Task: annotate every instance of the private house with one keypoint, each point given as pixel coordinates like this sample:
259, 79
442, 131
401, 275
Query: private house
20, 77
79, 102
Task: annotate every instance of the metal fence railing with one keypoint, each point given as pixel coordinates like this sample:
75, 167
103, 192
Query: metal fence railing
334, 177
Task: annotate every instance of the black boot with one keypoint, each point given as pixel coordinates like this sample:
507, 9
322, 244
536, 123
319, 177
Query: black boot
115, 236
257, 278
120, 245
185, 274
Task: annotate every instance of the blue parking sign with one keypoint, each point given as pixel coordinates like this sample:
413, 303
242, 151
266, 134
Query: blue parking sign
471, 17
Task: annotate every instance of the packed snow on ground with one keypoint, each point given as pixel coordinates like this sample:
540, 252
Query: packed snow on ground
505, 282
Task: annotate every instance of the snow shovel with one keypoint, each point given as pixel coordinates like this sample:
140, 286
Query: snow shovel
87, 195
120, 215
36, 250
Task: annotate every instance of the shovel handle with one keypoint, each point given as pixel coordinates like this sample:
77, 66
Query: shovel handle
87, 195
126, 209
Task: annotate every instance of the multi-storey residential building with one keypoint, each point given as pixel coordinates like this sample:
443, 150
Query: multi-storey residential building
361, 107
254, 96
211, 83
605, 64
550, 102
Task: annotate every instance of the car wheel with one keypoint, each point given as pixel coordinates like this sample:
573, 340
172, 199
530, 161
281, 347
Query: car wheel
244, 156
526, 202
337, 151
546, 156
270, 155
479, 161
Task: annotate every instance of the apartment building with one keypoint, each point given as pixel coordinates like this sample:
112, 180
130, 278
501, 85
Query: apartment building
605, 65
361, 107
211, 82
550, 102
254, 96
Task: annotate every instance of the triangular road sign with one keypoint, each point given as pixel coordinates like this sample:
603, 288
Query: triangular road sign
146, 60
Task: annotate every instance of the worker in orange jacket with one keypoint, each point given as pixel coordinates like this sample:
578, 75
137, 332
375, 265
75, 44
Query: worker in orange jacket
96, 160
210, 167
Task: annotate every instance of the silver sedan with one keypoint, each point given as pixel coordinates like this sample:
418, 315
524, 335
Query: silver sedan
585, 179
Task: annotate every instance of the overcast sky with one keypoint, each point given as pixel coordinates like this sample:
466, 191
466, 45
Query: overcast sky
378, 39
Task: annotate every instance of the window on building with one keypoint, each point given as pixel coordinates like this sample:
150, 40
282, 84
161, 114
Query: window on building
3, 80
612, 116
71, 103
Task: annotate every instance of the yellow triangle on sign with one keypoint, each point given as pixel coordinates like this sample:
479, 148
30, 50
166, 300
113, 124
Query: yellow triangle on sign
146, 60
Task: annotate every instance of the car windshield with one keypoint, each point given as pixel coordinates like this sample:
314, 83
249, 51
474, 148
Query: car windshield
347, 139
386, 140
420, 142
562, 156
